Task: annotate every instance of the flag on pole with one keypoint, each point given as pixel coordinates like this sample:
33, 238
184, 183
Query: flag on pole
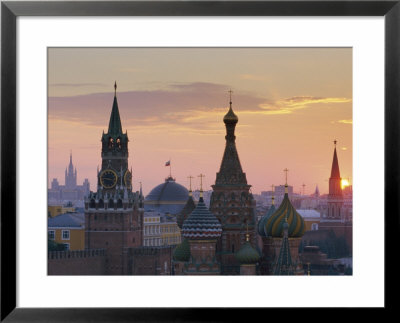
168, 163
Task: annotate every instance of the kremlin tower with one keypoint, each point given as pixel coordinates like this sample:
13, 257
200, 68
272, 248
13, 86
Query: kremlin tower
335, 197
114, 214
334, 217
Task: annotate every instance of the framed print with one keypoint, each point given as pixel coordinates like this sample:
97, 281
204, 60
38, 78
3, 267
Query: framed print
183, 155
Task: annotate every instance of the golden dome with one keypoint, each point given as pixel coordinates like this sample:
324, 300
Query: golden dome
231, 117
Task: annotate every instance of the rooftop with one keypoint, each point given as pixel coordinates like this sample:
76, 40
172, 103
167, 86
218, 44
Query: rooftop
67, 220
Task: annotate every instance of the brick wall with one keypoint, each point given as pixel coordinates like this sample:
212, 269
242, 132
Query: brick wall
149, 260
77, 262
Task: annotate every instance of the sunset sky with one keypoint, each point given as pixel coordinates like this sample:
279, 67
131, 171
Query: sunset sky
292, 103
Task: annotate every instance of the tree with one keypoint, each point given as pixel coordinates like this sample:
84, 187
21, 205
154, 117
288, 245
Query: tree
55, 246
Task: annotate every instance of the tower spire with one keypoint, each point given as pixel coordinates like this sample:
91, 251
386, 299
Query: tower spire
335, 172
114, 126
286, 184
190, 184
335, 189
201, 184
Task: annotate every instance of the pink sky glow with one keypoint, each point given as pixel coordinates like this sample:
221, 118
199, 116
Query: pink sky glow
291, 103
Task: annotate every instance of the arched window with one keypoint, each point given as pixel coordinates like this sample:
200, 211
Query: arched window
110, 142
119, 143
111, 203
101, 204
119, 204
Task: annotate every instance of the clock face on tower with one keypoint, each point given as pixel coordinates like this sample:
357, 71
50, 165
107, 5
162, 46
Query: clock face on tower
108, 178
128, 178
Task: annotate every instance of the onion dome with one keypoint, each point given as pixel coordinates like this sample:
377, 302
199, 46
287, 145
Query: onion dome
263, 221
274, 225
182, 251
201, 224
231, 117
247, 255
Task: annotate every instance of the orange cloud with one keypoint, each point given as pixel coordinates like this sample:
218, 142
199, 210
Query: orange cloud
252, 77
346, 121
288, 105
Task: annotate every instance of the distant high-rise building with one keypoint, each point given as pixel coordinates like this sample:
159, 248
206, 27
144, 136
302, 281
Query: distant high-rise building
70, 192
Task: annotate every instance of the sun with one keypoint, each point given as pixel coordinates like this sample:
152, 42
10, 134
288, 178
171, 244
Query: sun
344, 183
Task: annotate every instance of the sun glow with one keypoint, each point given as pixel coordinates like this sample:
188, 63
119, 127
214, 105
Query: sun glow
344, 183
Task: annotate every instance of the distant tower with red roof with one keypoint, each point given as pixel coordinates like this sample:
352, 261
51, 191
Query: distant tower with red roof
335, 196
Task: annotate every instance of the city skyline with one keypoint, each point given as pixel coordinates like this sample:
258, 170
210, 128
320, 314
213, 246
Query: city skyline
172, 102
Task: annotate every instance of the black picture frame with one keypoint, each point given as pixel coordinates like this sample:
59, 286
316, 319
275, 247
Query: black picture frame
11, 10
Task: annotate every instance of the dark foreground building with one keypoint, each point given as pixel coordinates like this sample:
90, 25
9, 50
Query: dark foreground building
231, 202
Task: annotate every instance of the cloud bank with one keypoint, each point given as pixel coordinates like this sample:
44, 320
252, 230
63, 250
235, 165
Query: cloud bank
189, 107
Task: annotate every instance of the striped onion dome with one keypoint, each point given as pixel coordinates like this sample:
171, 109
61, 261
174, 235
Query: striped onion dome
263, 221
201, 224
274, 225
182, 251
247, 254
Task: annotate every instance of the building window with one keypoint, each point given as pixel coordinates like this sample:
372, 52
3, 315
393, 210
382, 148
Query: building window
66, 246
65, 235
314, 227
52, 235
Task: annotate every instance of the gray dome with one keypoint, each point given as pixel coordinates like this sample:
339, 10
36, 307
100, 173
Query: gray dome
168, 197
168, 191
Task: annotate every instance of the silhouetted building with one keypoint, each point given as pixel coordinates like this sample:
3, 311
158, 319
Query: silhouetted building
70, 191
232, 202
114, 213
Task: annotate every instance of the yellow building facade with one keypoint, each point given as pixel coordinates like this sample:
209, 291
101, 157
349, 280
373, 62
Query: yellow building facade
67, 229
170, 233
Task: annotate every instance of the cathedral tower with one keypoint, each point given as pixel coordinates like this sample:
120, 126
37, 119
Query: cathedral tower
231, 201
114, 214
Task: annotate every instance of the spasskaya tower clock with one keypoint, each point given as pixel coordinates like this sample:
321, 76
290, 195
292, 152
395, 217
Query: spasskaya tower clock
114, 213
